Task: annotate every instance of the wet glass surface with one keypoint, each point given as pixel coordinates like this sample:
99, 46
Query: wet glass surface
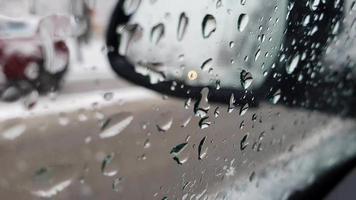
155, 99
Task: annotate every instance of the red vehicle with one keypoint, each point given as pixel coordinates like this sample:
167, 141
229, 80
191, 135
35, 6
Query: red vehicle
33, 53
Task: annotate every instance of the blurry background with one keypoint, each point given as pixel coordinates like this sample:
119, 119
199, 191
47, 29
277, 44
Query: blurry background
88, 68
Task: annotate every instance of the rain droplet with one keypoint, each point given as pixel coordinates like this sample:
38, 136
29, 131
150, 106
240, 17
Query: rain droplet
13, 132
306, 20
336, 28
115, 125
53, 191
108, 96
201, 107
204, 123
177, 149
314, 4
147, 144
116, 184
218, 3
182, 26
177, 153
246, 79
244, 109
202, 149
276, 96
353, 6
48, 182
257, 55
252, 176
244, 142
165, 124
157, 33
208, 25
187, 103
232, 102
242, 22
216, 112
232, 44
186, 122
207, 64
126, 33
293, 64
218, 84
106, 170
242, 124
130, 6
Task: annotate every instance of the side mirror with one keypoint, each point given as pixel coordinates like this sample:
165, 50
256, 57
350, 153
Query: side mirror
273, 52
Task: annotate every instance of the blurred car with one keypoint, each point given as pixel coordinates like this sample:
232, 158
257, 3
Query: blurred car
33, 53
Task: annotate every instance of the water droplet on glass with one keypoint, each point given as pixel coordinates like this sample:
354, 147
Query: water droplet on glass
202, 148
54, 190
130, 6
252, 176
218, 3
116, 184
49, 182
314, 4
13, 132
157, 33
243, 109
306, 20
201, 107
242, 124
106, 169
232, 44
186, 122
216, 112
165, 124
126, 33
208, 25
182, 26
254, 117
187, 103
178, 154
257, 55
207, 64
242, 22
115, 125
204, 123
147, 144
276, 96
181, 57
218, 84
336, 28
232, 102
246, 79
244, 142
82, 116
108, 96
293, 64
353, 6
